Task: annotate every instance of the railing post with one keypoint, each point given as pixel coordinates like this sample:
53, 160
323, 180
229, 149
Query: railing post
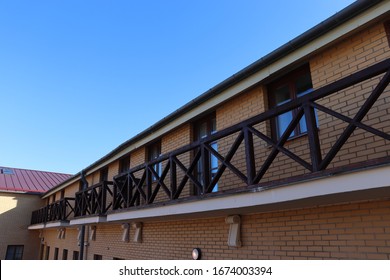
250, 156
312, 132
103, 197
205, 162
173, 177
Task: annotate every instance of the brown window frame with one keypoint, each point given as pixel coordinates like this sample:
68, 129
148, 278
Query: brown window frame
211, 127
289, 81
124, 164
154, 152
103, 174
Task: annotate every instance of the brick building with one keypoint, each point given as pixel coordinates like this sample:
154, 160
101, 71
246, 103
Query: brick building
287, 159
20, 191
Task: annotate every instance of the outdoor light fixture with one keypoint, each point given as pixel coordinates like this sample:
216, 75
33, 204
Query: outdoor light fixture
196, 254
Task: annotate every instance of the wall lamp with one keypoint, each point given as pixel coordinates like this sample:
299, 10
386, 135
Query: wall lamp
196, 254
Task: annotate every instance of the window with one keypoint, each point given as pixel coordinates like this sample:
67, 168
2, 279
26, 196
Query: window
41, 251
124, 164
56, 253
64, 254
104, 174
14, 252
289, 87
75, 255
97, 257
47, 253
154, 151
6, 171
80, 185
203, 128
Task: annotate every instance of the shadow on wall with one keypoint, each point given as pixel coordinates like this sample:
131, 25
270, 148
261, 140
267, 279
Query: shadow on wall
15, 217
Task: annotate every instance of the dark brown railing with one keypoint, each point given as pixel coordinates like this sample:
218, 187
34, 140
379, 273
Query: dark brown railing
94, 199
137, 187
60, 210
178, 176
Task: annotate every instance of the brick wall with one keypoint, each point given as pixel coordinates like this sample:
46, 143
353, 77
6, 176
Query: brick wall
355, 53
358, 230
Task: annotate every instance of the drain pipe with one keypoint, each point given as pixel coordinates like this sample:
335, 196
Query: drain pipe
84, 187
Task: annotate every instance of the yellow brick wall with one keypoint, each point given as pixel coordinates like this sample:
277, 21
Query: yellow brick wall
72, 189
355, 53
70, 242
358, 230
15, 217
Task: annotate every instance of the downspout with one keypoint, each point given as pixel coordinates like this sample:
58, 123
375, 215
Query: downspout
82, 237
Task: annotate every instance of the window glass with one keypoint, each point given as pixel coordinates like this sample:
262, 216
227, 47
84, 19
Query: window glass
104, 174
154, 151
124, 164
203, 128
287, 88
56, 253
65, 254
14, 252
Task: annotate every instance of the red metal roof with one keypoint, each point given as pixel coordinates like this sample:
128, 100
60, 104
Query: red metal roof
25, 180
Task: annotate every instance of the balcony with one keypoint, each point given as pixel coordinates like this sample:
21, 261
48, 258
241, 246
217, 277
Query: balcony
347, 130
58, 211
95, 200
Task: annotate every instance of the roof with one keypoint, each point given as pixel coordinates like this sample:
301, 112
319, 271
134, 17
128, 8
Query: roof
31, 181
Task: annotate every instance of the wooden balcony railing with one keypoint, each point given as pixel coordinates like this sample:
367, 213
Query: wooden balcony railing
241, 165
60, 210
142, 184
96, 199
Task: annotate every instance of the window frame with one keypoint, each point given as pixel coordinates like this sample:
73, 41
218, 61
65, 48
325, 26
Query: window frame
124, 164
211, 127
56, 252
12, 252
103, 174
64, 254
153, 153
47, 252
288, 80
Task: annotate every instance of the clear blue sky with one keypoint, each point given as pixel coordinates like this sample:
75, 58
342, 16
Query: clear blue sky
78, 78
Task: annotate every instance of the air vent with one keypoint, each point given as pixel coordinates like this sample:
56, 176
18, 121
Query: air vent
7, 171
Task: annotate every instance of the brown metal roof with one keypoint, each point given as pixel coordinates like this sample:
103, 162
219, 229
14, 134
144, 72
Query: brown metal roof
32, 181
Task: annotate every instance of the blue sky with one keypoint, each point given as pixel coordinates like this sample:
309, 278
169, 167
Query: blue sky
78, 78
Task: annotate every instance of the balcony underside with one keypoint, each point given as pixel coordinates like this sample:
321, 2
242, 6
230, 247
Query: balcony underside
57, 224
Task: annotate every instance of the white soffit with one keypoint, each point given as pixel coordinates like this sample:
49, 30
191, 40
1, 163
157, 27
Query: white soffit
88, 220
